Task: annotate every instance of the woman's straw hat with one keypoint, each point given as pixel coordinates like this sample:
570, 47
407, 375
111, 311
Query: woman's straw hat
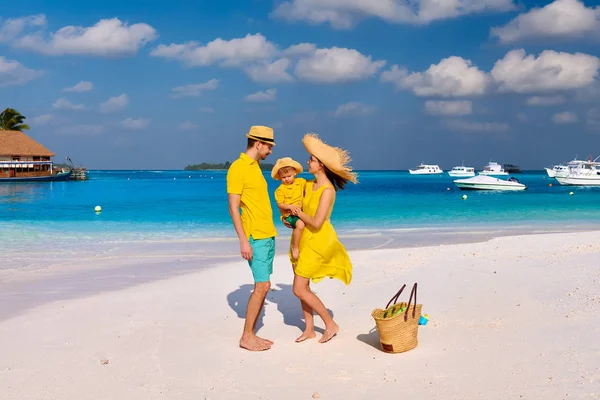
334, 158
262, 133
285, 162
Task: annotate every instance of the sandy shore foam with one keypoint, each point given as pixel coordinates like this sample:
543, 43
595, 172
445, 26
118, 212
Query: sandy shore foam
512, 318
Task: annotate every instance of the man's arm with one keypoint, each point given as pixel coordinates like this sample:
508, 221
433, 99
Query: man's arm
236, 218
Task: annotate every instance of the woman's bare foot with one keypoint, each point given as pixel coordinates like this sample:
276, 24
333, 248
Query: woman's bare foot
329, 334
254, 343
306, 335
295, 252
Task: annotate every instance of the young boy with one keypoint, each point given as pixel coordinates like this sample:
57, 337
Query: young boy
290, 193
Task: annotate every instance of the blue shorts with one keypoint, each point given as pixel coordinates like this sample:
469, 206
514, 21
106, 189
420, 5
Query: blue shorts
263, 253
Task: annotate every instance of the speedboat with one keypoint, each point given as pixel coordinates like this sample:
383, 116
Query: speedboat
482, 182
585, 174
493, 169
461, 171
424, 169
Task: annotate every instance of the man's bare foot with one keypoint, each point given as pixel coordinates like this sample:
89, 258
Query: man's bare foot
329, 334
295, 252
306, 335
266, 340
254, 343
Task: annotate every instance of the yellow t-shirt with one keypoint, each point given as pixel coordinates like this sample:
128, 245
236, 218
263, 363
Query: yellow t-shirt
245, 178
291, 194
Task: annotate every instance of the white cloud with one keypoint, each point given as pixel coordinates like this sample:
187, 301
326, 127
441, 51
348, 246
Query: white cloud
43, 119
449, 108
337, 65
460, 125
354, 109
452, 77
270, 72
566, 117
234, 52
550, 71
300, 49
83, 129
114, 104
14, 73
187, 126
560, 19
81, 86
343, 14
546, 100
135, 123
108, 37
267, 95
194, 89
64, 104
13, 27
207, 110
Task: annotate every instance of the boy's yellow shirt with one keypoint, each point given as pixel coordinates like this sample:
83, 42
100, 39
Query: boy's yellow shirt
245, 178
291, 194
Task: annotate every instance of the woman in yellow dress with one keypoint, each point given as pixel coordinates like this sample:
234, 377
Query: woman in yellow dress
321, 254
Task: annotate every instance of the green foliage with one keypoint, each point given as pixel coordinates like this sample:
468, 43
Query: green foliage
12, 120
221, 166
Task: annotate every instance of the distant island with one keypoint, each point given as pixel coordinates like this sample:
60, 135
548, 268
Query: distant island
225, 165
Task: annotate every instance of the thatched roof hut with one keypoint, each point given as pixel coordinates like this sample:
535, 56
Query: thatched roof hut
16, 143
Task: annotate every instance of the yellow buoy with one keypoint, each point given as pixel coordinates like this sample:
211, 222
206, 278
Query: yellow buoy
549, 184
570, 193
464, 196
97, 208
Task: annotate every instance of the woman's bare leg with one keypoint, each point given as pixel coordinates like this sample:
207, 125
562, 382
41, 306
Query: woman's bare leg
312, 301
309, 330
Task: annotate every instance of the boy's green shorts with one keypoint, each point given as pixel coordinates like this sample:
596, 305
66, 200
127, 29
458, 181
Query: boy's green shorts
263, 253
292, 219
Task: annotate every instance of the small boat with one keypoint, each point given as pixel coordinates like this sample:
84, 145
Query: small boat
482, 182
462, 171
425, 169
493, 169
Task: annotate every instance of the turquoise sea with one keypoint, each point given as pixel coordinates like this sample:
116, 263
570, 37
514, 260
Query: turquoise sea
182, 205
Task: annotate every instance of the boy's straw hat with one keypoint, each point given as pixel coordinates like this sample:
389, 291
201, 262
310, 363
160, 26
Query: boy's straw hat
285, 162
334, 158
262, 133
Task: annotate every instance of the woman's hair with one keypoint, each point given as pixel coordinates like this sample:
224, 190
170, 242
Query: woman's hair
338, 181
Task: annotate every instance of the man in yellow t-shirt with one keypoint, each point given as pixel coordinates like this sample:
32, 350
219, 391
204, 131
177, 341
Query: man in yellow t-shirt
247, 190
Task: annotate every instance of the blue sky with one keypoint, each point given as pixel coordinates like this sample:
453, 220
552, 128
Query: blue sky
159, 85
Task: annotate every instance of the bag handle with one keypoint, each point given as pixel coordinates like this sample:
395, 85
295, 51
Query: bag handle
395, 297
413, 291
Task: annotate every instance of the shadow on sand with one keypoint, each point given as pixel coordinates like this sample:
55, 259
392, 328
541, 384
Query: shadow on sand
371, 338
282, 295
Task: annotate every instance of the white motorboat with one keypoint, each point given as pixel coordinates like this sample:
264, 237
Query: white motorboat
563, 170
587, 173
462, 171
425, 169
482, 182
493, 169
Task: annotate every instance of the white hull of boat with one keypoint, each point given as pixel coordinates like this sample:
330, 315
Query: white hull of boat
488, 183
493, 173
579, 180
422, 172
461, 174
551, 173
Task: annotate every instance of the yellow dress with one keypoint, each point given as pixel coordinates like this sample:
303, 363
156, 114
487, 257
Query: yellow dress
321, 253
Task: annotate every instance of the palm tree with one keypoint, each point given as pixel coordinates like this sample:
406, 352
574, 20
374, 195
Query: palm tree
12, 120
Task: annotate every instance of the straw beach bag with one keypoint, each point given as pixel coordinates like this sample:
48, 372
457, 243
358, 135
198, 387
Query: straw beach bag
398, 328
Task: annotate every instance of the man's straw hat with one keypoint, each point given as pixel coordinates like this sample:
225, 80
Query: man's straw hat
334, 158
262, 133
285, 162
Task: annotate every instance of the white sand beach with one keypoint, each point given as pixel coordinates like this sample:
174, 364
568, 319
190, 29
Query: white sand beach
512, 318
